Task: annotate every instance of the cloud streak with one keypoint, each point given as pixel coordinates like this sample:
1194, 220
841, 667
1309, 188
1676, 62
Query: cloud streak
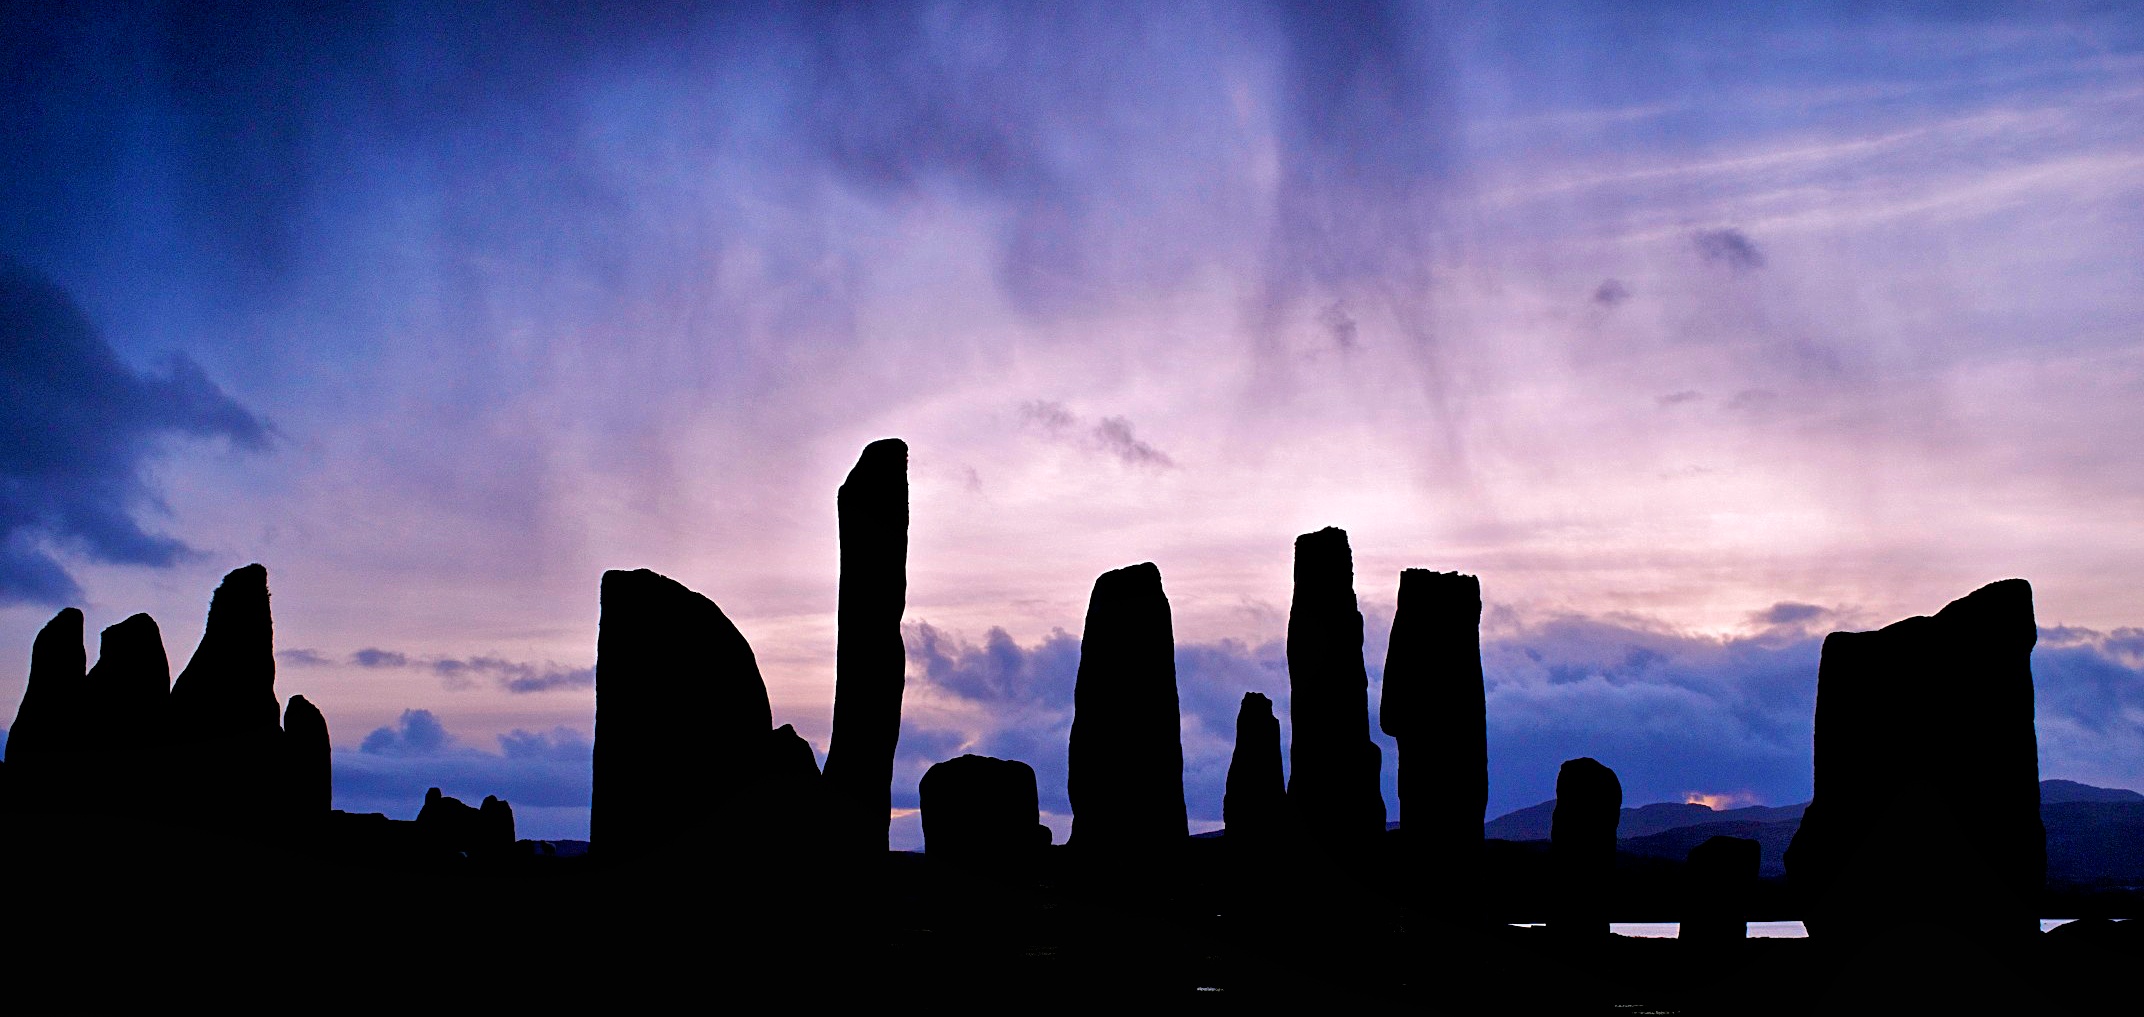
80, 435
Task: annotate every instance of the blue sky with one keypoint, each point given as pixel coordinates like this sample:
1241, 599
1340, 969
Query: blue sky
1695, 331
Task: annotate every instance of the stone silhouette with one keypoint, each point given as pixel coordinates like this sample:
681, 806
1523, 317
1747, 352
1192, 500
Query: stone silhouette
308, 780
1589, 803
1720, 879
223, 723
869, 659
1435, 707
681, 711
1333, 792
794, 809
1125, 764
1254, 805
494, 827
1942, 705
45, 746
132, 687
981, 810
447, 826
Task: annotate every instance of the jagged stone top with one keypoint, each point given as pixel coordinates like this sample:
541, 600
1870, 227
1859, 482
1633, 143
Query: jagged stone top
238, 643
1323, 561
1440, 586
882, 467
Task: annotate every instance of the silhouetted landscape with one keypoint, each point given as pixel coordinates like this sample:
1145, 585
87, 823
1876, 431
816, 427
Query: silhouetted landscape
720, 856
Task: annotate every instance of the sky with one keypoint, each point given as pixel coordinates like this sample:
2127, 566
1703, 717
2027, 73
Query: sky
1696, 331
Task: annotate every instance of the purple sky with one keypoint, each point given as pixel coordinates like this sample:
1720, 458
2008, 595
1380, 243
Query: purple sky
1696, 332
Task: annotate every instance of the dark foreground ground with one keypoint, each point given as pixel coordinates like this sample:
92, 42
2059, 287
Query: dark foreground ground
98, 923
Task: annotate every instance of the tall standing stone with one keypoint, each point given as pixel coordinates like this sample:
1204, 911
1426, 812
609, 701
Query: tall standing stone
1435, 707
132, 688
869, 659
1333, 791
1940, 707
1589, 804
1254, 806
1125, 764
45, 743
224, 727
681, 720
308, 779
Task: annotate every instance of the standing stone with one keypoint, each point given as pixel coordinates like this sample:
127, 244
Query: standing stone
1254, 806
1333, 792
681, 721
1720, 880
869, 659
223, 727
794, 811
446, 824
980, 810
45, 749
494, 827
132, 688
1125, 764
308, 779
1435, 707
1941, 708
1589, 804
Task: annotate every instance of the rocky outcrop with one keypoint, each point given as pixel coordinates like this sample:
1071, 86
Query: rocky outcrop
1434, 705
1720, 880
681, 717
1943, 705
1254, 806
1333, 793
980, 810
222, 725
308, 785
45, 744
869, 659
1589, 800
1125, 763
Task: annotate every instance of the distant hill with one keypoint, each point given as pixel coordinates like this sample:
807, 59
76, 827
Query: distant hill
2054, 792
2095, 835
1532, 822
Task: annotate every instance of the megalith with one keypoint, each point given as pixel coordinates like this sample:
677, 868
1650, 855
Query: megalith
223, 724
682, 721
1434, 705
46, 744
1942, 705
1254, 806
981, 810
1334, 797
131, 684
1719, 882
308, 779
1589, 804
869, 658
1125, 763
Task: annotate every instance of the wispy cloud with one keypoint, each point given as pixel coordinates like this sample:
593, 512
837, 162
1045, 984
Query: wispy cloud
1111, 436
